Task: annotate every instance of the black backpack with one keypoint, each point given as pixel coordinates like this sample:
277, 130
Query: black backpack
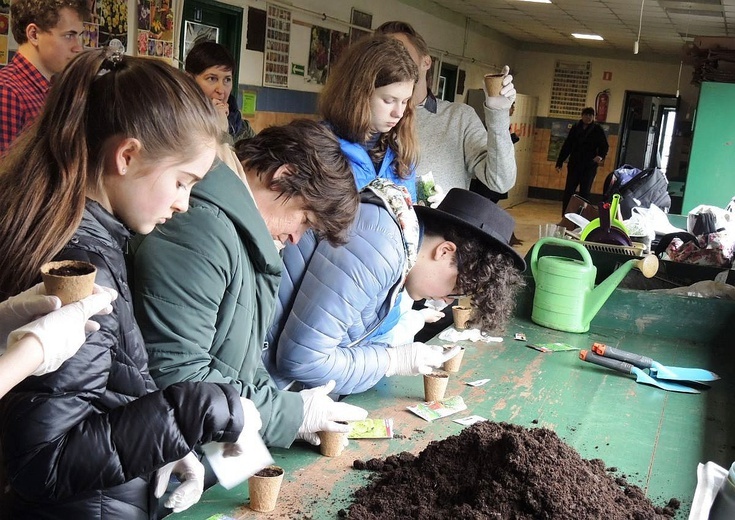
650, 186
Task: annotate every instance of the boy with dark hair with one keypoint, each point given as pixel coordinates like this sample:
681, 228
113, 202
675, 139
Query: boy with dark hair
333, 300
49, 35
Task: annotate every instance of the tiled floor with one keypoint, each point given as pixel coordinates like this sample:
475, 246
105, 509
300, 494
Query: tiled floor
528, 215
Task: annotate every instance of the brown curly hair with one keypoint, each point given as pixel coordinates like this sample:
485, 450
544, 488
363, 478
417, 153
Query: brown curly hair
486, 274
43, 13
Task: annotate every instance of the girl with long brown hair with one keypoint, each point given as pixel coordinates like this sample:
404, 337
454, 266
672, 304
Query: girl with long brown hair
119, 145
366, 102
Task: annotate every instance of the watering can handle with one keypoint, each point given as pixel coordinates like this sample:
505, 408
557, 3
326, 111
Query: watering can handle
586, 258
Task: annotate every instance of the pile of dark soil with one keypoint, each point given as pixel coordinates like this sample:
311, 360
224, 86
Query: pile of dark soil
499, 470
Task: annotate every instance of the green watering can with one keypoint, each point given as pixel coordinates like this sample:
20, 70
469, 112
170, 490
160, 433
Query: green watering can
566, 297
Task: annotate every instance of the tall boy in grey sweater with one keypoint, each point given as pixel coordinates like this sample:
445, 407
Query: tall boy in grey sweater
455, 146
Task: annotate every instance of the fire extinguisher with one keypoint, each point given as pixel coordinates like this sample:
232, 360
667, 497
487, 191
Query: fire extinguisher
601, 102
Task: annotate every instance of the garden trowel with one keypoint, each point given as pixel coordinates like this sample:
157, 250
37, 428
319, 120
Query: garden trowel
657, 370
640, 374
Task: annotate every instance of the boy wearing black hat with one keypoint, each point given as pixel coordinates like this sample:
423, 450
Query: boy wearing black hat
336, 302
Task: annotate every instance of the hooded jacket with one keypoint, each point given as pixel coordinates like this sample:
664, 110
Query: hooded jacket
83, 442
205, 288
333, 301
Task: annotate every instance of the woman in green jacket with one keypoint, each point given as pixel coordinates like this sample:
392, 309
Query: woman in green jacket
206, 282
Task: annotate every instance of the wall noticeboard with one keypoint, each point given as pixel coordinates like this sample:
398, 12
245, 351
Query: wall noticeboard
277, 46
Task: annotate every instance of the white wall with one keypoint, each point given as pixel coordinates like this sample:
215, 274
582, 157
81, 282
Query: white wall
445, 33
535, 70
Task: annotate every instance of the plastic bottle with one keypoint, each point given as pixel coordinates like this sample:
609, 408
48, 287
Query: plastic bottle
723, 507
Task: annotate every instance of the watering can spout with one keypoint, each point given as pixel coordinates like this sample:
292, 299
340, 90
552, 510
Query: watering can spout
599, 295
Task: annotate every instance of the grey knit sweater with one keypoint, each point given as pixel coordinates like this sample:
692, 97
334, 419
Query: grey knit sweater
455, 147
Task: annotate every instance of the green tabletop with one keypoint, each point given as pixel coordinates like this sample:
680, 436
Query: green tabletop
655, 438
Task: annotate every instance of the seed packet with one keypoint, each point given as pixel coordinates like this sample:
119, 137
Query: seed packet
371, 429
479, 382
470, 420
551, 347
439, 409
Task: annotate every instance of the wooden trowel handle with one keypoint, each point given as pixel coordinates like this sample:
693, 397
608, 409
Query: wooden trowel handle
648, 265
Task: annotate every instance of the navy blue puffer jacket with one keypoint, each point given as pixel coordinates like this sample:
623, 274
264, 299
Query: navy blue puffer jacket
332, 301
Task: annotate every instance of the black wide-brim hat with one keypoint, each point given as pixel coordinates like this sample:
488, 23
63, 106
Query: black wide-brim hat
481, 215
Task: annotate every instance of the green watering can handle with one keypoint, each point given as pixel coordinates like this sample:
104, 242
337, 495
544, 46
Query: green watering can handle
586, 258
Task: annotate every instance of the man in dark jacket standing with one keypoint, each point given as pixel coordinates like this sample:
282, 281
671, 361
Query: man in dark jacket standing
586, 146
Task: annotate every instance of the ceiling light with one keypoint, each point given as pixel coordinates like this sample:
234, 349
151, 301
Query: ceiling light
587, 36
537, 1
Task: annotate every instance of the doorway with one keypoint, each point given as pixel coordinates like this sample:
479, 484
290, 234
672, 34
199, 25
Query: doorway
212, 20
646, 129
447, 82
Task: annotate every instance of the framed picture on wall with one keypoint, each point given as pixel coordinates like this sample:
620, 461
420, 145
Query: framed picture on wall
361, 19
194, 32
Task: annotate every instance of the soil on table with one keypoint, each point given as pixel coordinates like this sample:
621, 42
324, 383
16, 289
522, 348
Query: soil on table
504, 471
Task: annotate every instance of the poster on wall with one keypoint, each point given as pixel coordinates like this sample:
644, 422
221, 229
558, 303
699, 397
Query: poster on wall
155, 29
195, 32
559, 132
338, 42
111, 16
91, 33
325, 48
361, 19
277, 47
4, 28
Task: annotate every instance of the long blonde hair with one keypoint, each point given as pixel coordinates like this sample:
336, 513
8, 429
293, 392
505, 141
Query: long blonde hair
344, 103
45, 176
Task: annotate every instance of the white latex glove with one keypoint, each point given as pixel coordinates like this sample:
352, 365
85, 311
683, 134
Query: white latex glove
431, 315
62, 331
417, 358
18, 310
507, 93
436, 304
190, 473
321, 413
437, 198
253, 422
